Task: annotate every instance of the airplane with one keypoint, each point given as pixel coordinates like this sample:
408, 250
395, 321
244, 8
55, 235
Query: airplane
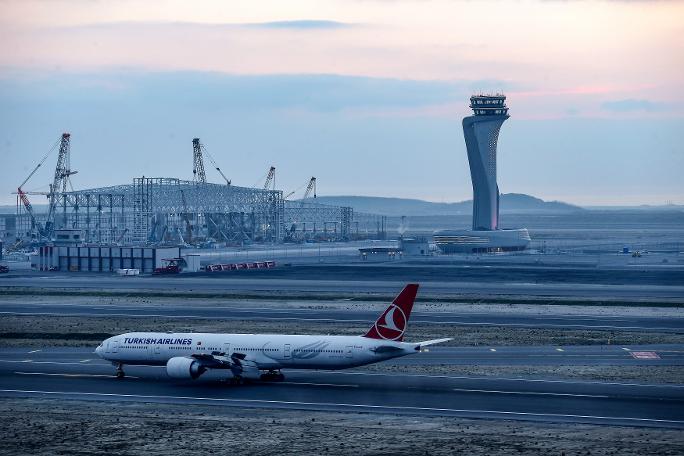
246, 357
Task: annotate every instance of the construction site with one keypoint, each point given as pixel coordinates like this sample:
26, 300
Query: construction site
169, 211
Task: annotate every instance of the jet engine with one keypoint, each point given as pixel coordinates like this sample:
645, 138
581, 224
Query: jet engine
185, 368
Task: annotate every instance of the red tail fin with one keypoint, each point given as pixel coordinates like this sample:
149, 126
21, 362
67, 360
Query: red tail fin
394, 320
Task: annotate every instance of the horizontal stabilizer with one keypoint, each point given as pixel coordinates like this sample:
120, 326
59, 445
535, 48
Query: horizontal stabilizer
433, 342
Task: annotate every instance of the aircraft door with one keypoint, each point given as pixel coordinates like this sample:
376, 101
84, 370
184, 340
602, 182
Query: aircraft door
226, 348
348, 351
286, 352
115, 346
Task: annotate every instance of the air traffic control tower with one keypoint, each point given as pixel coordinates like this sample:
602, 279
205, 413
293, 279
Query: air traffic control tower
481, 131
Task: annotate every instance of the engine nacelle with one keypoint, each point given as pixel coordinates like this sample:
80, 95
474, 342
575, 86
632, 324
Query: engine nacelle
185, 368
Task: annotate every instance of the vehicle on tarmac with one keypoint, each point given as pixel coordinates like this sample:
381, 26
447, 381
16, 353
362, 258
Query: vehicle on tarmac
3, 269
240, 357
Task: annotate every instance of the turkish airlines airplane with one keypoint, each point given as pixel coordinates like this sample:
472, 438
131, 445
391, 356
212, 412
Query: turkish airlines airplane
240, 357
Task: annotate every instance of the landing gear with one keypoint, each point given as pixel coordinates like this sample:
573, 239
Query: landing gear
119, 371
236, 381
272, 376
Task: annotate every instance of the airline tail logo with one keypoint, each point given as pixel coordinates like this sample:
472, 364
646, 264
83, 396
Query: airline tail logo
393, 322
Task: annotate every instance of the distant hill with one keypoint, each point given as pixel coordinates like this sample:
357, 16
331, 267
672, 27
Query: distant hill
510, 202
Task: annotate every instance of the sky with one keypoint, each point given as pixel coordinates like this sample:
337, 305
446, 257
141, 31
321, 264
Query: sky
366, 95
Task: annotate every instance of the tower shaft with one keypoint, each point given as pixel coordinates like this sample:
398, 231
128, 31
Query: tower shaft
481, 132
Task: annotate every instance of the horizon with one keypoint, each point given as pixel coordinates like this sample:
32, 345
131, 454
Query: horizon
38, 206
367, 96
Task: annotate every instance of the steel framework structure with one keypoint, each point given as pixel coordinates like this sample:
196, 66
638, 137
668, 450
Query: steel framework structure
170, 210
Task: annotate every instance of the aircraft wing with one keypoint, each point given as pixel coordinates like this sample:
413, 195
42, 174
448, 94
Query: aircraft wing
236, 362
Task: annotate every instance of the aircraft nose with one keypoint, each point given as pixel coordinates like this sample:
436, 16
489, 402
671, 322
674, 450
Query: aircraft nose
98, 351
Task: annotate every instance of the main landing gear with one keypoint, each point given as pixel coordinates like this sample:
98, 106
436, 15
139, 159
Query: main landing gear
235, 381
272, 376
119, 371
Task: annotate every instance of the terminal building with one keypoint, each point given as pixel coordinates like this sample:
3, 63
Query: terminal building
481, 131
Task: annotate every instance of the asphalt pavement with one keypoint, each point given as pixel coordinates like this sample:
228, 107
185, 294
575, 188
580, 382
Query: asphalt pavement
357, 280
77, 374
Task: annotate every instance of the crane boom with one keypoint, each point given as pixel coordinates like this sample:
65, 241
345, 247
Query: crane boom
309, 188
29, 209
198, 173
270, 178
59, 184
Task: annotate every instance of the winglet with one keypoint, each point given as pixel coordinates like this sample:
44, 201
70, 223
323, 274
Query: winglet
393, 322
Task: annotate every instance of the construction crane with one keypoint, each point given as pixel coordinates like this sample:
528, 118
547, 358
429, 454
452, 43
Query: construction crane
309, 188
59, 184
270, 177
23, 196
198, 174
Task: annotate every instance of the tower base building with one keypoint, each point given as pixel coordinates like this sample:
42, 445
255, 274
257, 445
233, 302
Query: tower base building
481, 132
482, 241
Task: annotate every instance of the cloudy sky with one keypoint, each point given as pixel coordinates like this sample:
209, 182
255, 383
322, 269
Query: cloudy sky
366, 95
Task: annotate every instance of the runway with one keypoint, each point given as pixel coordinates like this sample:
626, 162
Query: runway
231, 312
667, 355
76, 374
359, 282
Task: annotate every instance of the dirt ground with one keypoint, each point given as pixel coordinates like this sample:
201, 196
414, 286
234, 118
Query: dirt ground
45, 331
622, 374
518, 305
47, 427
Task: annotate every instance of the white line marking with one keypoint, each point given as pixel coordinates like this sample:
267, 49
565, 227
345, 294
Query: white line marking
47, 362
70, 375
559, 349
34, 351
333, 404
492, 349
85, 360
314, 384
535, 393
626, 349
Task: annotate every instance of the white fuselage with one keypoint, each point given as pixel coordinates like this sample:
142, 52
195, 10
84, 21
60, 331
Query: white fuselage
268, 351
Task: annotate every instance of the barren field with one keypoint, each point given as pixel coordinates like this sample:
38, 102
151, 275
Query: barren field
48, 427
46, 331
350, 301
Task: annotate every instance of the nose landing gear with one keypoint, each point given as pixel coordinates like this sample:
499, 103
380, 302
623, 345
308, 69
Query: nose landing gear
119, 371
